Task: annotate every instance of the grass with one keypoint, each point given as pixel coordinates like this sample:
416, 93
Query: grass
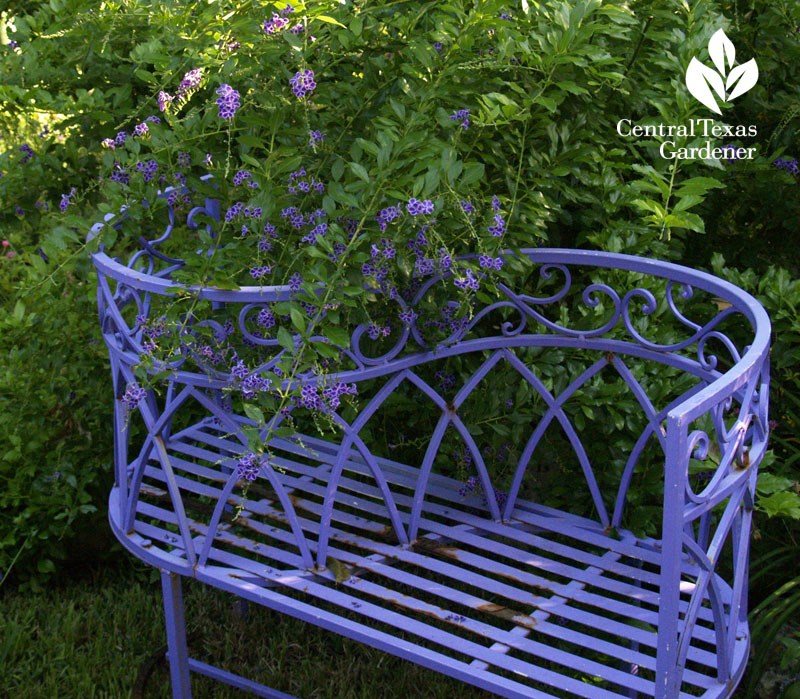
90, 635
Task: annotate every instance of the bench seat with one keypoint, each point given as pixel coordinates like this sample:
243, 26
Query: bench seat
533, 607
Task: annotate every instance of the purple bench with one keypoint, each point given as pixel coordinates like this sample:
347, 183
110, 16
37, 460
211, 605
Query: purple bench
504, 593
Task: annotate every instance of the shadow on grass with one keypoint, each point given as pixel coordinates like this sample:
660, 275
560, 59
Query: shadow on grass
91, 634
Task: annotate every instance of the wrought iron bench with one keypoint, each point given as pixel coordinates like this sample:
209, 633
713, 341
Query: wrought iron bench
505, 593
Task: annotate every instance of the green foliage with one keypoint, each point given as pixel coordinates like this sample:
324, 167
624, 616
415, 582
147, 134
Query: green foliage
545, 92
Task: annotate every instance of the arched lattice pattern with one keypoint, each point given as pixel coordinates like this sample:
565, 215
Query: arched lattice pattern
510, 595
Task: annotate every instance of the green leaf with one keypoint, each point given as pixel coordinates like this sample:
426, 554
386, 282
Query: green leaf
298, 320
340, 571
330, 20
144, 75
325, 349
360, 171
254, 413
338, 336
770, 483
785, 504
697, 185
19, 310
285, 339
249, 140
45, 565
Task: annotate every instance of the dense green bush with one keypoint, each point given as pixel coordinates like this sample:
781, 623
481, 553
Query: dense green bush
544, 90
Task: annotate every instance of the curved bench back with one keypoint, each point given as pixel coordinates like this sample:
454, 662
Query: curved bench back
605, 307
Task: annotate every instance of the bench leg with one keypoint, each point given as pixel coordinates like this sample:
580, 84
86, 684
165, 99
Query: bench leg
178, 653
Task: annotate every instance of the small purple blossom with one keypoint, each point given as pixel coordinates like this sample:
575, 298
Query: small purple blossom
416, 207
191, 81
295, 281
303, 83
461, 115
164, 100
133, 395
25, 149
274, 25
315, 138
495, 203
140, 129
240, 177
149, 169
248, 466
228, 101
65, 200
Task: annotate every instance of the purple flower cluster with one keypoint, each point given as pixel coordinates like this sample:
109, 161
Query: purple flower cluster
333, 394
295, 281
241, 177
274, 25
374, 331
438, 46
140, 129
164, 100
149, 169
120, 138
228, 101
65, 200
25, 149
387, 215
416, 207
408, 316
499, 226
461, 115
229, 46
472, 485
133, 395
469, 282
174, 199
788, 164
248, 466
153, 120
239, 208
446, 381
303, 83
266, 318
258, 272
311, 399
13, 44
120, 174
184, 160
729, 153
315, 138
503, 15
487, 261
377, 266
317, 232
304, 186
108, 143
466, 207
191, 81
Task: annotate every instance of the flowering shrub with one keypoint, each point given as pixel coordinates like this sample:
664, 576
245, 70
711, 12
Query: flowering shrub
359, 149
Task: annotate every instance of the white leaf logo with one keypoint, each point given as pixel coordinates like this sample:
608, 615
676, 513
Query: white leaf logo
700, 79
